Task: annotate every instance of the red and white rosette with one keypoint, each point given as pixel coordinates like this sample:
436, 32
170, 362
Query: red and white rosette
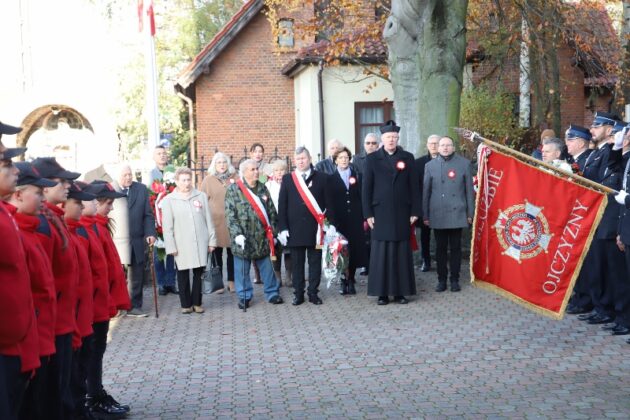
400, 165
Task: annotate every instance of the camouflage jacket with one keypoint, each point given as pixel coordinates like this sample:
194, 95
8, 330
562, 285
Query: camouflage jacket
242, 220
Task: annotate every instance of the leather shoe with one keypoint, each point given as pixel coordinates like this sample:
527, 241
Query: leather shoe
600, 319
609, 327
172, 289
162, 291
315, 300
243, 303
455, 287
578, 310
425, 267
276, 300
620, 330
110, 400
382, 300
298, 300
343, 290
441, 287
351, 289
587, 316
401, 300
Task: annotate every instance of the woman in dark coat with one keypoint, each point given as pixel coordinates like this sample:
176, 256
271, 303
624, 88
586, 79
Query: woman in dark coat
345, 187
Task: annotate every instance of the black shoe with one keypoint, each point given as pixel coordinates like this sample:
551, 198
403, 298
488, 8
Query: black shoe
455, 287
162, 291
243, 303
620, 330
276, 300
100, 407
351, 289
600, 319
578, 310
315, 300
587, 316
382, 300
343, 288
172, 289
609, 327
426, 266
441, 287
104, 395
401, 300
298, 300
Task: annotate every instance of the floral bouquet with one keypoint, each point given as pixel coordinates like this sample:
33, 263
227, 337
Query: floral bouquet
158, 191
335, 257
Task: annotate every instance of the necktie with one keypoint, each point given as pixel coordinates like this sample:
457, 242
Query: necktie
125, 191
304, 176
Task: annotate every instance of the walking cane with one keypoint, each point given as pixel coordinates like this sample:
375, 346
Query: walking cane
244, 299
155, 299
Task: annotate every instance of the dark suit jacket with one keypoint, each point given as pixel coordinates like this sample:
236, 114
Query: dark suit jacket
624, 219
581, 160
141, 220
390, 194
294, 216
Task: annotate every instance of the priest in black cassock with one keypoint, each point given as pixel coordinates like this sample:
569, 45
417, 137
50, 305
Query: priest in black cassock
391, 204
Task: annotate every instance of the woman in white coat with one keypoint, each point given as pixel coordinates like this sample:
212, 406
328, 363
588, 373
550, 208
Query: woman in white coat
189, 236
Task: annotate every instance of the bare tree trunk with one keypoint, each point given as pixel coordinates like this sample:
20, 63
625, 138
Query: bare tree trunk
554, 66
524, 103
427, 52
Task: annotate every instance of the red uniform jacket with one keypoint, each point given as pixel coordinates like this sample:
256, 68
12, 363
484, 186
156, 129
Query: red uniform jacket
18, 326
100, 274
117, 280
65, 267
42, 282
84, 311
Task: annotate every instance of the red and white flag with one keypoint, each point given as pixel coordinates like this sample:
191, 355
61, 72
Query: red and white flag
531, 232
149, 13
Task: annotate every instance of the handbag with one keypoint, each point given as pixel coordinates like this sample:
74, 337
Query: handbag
212, 277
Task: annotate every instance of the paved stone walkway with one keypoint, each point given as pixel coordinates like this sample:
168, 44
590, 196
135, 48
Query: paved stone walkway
445, 355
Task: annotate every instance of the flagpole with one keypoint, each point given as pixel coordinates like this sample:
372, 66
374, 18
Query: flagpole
152, 113
472, 136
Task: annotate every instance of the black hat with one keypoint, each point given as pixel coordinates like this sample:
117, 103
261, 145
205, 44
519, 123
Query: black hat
76, 192
30, 176
604, 118
50, 168
575, 131
103, 189
9, 129
389, 127
10, 153
619, 125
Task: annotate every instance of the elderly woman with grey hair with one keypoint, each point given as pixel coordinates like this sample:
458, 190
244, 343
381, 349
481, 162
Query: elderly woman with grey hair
221, 174
280, 168
188, 236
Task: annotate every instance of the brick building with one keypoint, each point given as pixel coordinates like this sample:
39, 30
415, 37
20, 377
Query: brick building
245, 90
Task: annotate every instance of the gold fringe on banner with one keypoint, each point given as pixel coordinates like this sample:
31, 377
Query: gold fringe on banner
534, 163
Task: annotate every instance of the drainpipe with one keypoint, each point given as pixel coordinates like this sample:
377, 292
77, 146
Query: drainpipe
191, 123
320, 97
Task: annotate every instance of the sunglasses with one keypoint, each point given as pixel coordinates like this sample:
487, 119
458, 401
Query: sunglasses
371, 142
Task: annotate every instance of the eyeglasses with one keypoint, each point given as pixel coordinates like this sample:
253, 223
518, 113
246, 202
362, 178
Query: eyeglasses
371, 142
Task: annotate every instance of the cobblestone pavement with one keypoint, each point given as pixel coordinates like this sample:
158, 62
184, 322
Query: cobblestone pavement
444, 355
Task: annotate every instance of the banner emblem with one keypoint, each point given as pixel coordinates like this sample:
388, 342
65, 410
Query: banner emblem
523, 231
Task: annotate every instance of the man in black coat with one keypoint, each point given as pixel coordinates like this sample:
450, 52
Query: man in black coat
425, 231
141, 228
391, 205
604, 263
623, 237
297, 225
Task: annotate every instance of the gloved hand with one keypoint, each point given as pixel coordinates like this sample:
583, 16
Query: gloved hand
240, 241
330, 229
619, 139
621, 196
283, 237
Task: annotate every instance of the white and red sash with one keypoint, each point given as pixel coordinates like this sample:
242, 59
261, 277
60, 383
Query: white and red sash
260, 211
312, 206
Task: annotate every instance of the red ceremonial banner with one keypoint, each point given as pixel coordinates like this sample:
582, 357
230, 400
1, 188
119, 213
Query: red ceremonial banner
531, 232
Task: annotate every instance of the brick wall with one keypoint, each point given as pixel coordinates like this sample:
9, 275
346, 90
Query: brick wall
244, 99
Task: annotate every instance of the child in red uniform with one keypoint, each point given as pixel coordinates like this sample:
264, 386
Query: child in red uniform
17, 314
27, 199
73, 208
56, 240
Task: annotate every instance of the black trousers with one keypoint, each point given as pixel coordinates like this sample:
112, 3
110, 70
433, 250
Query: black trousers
298, 259
187, 297
425, 243
135, 278
218, 254
622, 293
445, 240
97, 347
12, 386
609, 265
58, 388
33, 403
78, 388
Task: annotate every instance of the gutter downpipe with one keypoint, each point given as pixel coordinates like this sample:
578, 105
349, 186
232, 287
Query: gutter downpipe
191, 124
320, 97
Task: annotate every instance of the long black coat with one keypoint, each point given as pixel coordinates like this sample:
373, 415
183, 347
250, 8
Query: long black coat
346, 204
294, 216
390, 194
